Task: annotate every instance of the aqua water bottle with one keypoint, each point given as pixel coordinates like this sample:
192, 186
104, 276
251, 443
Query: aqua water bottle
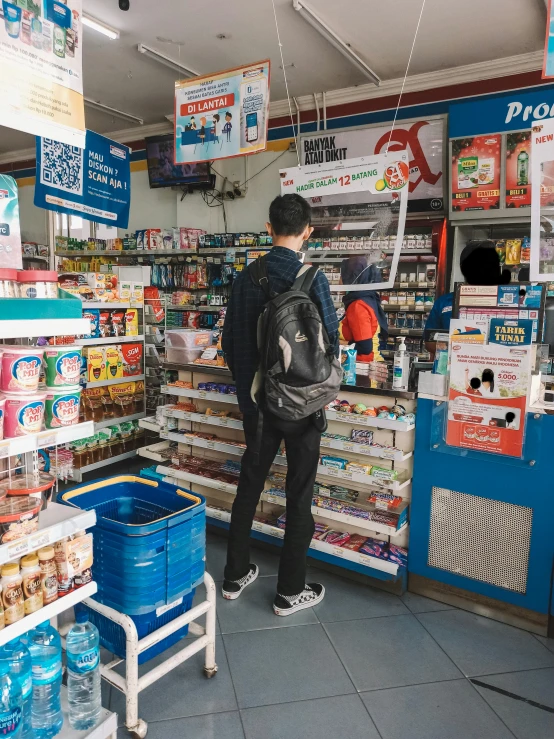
83, 674
11, 704
46, 657
17, 656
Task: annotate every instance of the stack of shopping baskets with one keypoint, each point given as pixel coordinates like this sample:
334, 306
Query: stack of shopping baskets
149, 552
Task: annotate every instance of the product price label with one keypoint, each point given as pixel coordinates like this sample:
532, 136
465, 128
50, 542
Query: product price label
48, 440
222, 486
224, 421
4, 450
18, 549
185, 415
325, 442
38, 541
215, 514
348, 446
164, 435
257, 526
338, 552
168, 413
331, 471
210, 444
202, 394
346, 474
404, 285
164, 609
363, 559
388, 454
420, 307
361, 420
404, 331
203, 418
175, 460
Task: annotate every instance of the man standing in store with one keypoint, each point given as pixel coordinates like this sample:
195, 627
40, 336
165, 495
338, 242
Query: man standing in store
480, 265
289, 226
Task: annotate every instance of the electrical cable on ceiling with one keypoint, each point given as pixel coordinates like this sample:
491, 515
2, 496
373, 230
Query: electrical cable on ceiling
297, 134
406, 74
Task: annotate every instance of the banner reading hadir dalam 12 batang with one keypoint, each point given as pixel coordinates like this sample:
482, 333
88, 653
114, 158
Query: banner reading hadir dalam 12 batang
222, 115
41, 85
384, 175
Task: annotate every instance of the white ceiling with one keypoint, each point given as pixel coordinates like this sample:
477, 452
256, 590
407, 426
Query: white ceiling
452, 34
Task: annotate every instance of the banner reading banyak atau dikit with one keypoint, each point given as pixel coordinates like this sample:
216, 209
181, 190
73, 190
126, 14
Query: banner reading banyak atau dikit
222, 115
93, 183
41, 85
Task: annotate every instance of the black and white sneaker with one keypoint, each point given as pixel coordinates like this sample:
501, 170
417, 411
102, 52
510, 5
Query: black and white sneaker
233, 588
313, 593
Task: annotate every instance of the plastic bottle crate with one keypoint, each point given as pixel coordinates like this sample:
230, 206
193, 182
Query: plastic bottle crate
112, 636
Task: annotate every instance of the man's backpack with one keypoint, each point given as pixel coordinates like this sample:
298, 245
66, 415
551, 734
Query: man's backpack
298, 373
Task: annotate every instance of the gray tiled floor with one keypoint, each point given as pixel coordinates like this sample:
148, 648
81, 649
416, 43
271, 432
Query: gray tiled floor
364, 664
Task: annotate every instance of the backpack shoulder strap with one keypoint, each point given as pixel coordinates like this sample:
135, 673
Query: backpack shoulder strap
258, 274
305, 277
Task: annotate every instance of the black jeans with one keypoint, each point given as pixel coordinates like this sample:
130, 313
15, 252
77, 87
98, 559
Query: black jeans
302, 441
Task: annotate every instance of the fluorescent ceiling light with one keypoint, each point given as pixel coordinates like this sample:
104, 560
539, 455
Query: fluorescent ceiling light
311, 17
167, 61
100, 27
113, 111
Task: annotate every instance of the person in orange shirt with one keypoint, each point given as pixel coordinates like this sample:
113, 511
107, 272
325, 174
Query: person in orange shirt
364, 323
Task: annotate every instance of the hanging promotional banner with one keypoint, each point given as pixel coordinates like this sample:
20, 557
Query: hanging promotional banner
384, 175
476, 173
518, 170
222, 115
41, 84
542, 201
10, 235
487, 396
548, 59
423, 140
94, 182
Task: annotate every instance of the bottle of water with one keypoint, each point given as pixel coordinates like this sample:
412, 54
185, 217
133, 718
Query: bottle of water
83, 674
18, 658
11, 704
46, 657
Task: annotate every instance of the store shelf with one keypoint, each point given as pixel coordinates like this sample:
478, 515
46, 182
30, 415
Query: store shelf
204, 308
371, 451
46, 613
150, 424
205, 443
203, 418
95, 253
105, 729
110, 306
153, 451
44, 439
198, 479
118, 419
35, 258
360, 523
355, 252
201, 394
414, 285
342, 555
405, 331
370, 480
54, 523
204, 369
353, 419
114, 381
77, 475
110, 340
409, 307
27, 329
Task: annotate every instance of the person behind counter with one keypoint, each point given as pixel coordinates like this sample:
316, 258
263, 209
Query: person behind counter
480, 265
365, 322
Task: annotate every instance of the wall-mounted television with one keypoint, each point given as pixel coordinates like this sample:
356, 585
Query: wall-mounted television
162, 170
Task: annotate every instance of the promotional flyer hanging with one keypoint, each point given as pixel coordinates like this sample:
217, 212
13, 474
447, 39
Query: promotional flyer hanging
222, 115
93, 183
476, 173
542, 201
548, 58
488, 393
10, 236
41, 85
385, 175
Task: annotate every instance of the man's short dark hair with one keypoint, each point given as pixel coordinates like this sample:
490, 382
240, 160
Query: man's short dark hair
289, 215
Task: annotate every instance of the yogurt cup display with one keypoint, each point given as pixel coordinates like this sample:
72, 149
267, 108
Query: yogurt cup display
2, 414
20, 369
24, 414
62, 406
63, 365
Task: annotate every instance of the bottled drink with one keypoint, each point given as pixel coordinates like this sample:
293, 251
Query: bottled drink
83, 674
11, 704
46, 656
18, 658
522, 168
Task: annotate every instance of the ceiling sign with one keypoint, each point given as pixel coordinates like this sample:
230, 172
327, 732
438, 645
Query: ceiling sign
41, 84
222, 115
385, 176
548, 60
424, 141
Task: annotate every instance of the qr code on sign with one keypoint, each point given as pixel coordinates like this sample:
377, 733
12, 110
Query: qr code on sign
62, 166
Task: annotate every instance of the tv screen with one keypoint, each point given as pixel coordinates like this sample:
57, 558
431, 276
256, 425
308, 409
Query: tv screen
162, 170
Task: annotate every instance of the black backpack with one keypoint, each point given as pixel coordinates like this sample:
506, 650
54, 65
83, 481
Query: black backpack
298, 373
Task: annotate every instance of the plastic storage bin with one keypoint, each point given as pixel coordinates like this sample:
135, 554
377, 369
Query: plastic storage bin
181, 355
188, 338
149, 541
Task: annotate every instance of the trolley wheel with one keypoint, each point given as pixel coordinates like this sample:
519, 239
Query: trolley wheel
210, 672
140, 730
